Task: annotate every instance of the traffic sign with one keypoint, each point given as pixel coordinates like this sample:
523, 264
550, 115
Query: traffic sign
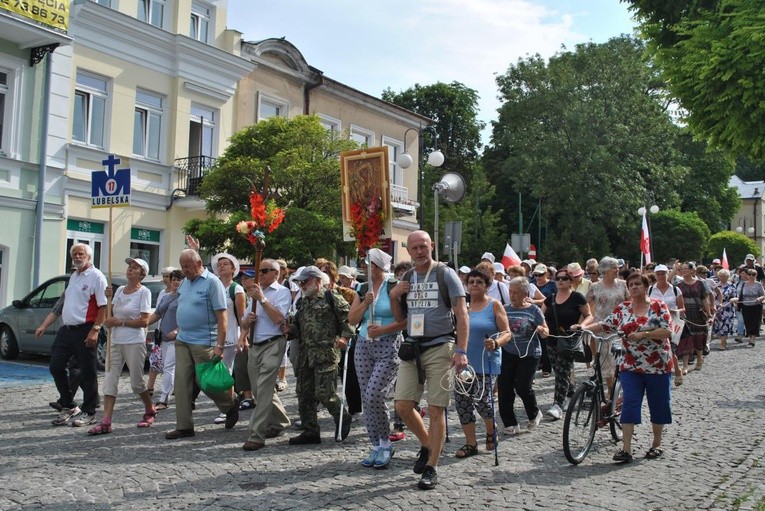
111, 187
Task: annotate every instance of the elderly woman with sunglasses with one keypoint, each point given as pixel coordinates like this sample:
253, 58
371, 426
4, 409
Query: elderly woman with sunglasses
751, 295
563, 309
645, 369
489, 331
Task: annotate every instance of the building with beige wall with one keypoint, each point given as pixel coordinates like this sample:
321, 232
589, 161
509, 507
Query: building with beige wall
284, 84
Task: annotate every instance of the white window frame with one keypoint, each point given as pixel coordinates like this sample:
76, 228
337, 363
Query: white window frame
91, 93
331, 123
13, 92
159, 244
363, 132
152, 114
207, 122
282, 105
395, 148
149, 6
201, 11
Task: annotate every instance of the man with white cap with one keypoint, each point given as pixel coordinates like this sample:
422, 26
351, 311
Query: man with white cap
322, 330
263, 341
751, 262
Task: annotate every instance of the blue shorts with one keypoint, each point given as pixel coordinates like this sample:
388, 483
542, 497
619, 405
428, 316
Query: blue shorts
655, 387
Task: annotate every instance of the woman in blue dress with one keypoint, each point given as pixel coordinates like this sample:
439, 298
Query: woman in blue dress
726, 312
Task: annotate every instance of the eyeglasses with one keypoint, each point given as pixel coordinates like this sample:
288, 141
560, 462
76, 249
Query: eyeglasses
593, 273
265, 270
563, 278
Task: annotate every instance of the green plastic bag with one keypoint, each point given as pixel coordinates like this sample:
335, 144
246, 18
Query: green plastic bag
213, 376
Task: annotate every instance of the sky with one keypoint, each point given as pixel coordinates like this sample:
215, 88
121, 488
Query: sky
371, 46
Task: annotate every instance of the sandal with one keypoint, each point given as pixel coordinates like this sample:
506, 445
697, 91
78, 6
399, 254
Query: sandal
623, 456
678, 380
148, 419
654, 452
100, 429
466, 451
489, 441
160, 406
697, 368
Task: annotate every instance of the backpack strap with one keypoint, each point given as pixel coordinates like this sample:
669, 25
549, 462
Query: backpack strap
232, 294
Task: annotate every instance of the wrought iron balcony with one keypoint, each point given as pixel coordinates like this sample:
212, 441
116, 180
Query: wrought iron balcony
191, 171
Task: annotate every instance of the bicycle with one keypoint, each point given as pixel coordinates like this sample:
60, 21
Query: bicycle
589, 408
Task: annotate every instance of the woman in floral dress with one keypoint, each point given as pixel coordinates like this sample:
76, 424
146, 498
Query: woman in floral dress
646, 367
726, 313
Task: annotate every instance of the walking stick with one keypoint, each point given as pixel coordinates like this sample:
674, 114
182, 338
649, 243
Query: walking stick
339, 434
446, 426
493, 417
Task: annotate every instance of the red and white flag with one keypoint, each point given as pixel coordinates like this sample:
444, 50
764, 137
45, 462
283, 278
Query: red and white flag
725, 261
645, 243
510, 258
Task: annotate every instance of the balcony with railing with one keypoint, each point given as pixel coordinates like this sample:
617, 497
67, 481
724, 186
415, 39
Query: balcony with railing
191, 172
400, 202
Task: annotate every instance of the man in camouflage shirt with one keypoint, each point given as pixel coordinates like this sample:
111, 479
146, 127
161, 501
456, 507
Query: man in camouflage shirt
322, 330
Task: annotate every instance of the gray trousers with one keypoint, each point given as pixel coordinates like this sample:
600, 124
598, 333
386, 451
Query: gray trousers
263, 362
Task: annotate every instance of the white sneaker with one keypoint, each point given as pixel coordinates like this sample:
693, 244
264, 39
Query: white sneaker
533, 423
220, 419
513, 430
555, 412
65, 415
83, 419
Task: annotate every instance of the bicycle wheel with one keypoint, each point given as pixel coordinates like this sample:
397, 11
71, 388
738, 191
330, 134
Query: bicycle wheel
580, 424
615, 412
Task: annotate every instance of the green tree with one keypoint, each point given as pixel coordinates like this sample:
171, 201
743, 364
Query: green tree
454, 109
736, 247
706, 190
304, 176
678, 234
712, 55
584, 134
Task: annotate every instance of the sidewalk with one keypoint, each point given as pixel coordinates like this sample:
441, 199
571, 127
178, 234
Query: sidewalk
713, 459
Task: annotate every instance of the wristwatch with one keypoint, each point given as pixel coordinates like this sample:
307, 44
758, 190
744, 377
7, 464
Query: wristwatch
263, 300
97, 327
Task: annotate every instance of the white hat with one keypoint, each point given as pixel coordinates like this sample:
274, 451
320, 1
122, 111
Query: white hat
489, 256
379, 258
224, 255
660, 267
140, 262
295, 275
498, 268
346, 271
540, 269
749, 256
464, 269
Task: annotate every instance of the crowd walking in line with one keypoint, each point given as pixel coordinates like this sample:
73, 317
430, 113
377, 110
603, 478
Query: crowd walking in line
416, 330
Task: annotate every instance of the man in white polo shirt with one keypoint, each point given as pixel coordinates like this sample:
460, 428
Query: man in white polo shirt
83, 313
262, 336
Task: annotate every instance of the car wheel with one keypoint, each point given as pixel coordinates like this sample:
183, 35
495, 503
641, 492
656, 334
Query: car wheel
9, 348
101, 351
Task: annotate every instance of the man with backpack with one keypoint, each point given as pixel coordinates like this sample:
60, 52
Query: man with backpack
434, 304
321, 327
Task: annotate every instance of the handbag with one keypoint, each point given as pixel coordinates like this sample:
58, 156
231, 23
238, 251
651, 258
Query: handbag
571, 347
213, 376
157, 337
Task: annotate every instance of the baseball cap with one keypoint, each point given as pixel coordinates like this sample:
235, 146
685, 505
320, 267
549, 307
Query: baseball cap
661, 267
309, 272
620, 262
540, 269
346, 271
249, 273
489, 256
464, 269
749, 256
140, 262
715, 261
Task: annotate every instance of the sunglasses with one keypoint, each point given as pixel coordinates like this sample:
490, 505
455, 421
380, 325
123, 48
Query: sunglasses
563, 278
265, 270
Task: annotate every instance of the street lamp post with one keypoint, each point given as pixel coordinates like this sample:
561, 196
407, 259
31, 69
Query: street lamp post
405, 160
642, 212
749, 230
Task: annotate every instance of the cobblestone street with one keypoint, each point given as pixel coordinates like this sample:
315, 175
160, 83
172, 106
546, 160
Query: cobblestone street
713, 459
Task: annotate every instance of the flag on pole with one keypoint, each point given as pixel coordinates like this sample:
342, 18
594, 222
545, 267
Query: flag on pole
645, 243
510, 258
725, 261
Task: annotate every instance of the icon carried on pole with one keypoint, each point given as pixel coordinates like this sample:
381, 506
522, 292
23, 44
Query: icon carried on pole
111, 187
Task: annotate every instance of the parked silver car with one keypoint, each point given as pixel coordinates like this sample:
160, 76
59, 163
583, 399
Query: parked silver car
19, 320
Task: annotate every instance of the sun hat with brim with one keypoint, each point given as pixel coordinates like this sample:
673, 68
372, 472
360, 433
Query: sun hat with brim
498, 268
575, 270
224, 255
660, 267
464, 269
140, 262
346, 271
489, 256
